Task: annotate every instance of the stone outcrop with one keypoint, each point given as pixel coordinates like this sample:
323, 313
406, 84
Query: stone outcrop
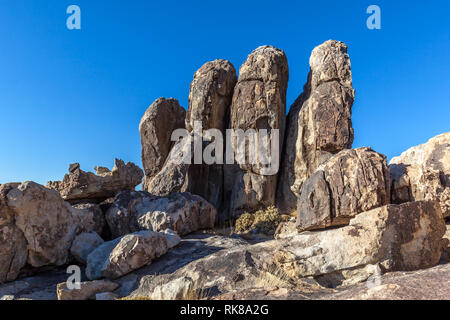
79, 185
95, 214
209, 103
48, 223
390, 238
120, 256
13, 245
87, 290
210, 95
172, 177
423, 173
37, 227
182, 212
156, 127
319, 121
259, 102
350, 182
84, 244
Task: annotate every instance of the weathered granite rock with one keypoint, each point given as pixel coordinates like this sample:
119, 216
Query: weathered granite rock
423, 173
209, 102
259, 102
79, 185
350, 182
390, 238
428, 284
13, 246
210, 95
95, 214
156, 127
84, 244
118, 257
87, 290
48, 223
319, 121
172, 177
182, 212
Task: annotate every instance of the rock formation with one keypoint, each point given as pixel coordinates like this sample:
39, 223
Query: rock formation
209, 102
389, 238
319, 121
156, 127
259, 102
182, 212
350, 182
37, 227
423, 173
84, 244
120, 256
87, 290
79, 185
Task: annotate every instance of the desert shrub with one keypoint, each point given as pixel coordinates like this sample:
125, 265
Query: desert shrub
244, 222
264, 221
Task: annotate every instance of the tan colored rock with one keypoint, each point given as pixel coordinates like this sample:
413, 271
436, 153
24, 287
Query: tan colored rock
13, 246
87, 290
389, 238
423, 173
156, 127
48, 223
259, 102
350, 182
118, 257
80, 185
319, 121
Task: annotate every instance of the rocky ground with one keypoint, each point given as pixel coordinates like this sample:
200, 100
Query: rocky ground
332, 223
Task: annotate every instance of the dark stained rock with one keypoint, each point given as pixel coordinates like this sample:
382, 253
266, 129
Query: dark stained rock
350, 182
156, 127
319, 122
259, 102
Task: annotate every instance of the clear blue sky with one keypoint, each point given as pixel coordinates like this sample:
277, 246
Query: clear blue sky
78, 96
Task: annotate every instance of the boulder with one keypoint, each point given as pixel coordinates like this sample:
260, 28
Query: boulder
390, 238
182, 212
120, 256
172, 177
95, 214
13, 245
423, 173
319, 121
156, 127
48, 223
210, 95
78, 185
84, 244
259, 102
87, 290
350, 182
